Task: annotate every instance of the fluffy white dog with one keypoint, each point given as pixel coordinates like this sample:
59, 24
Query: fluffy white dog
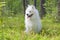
32, 20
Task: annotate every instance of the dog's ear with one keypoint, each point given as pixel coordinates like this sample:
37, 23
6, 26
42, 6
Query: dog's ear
28, 5
33, 7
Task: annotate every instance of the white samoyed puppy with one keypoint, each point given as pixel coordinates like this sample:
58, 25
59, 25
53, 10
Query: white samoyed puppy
32, 20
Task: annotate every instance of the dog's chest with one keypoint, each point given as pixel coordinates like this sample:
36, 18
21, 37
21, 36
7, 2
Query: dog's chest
31, 23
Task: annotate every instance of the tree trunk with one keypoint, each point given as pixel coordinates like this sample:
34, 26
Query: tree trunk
58, 17
43, 12
35, 3
25, 4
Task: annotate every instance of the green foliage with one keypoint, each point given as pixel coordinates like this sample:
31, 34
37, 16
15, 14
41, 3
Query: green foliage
14, 5
13, 29
12, 25
1, 6
50, 6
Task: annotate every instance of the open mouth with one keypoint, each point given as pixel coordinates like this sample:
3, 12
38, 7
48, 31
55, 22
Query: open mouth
29, 15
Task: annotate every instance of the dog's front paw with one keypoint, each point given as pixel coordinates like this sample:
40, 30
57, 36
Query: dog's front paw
26, 31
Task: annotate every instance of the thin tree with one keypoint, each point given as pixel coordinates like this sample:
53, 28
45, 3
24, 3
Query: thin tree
25, 4
58, 17
43, 12
35, 3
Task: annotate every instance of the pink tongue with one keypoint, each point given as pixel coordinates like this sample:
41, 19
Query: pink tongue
28, 17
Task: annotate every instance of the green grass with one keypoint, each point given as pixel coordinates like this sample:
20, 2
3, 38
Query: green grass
12, 28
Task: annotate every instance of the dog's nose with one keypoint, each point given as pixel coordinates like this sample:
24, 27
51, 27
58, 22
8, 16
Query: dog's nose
27, 14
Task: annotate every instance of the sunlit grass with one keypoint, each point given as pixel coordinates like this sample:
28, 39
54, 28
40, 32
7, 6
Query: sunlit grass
12, 28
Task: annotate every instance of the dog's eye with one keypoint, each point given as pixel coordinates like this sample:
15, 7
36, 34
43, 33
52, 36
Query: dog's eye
30, 11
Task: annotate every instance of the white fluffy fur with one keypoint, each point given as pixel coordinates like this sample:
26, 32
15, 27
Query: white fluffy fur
32, 23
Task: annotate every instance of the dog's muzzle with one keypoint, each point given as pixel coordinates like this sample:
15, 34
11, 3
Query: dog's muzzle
29, 15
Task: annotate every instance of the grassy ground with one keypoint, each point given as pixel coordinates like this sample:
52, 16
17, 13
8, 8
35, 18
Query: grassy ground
11, 28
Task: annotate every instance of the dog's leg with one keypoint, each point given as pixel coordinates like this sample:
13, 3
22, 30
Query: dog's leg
26, 31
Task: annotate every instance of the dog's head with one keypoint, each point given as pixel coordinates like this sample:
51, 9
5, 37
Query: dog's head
30, 11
